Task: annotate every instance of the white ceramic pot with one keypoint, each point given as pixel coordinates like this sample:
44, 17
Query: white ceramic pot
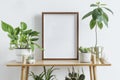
21, 53
31, 61
85, 57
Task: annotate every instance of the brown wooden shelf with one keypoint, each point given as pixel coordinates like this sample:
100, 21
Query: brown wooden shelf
92, 65
57, 63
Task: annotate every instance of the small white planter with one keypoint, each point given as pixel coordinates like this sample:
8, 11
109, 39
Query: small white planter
31, 61
85, 57
20, 53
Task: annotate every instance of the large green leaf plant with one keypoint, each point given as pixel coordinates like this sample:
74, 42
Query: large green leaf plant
21, 37
99, 17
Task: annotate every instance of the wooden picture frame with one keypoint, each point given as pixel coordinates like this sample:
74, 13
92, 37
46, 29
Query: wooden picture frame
60, 35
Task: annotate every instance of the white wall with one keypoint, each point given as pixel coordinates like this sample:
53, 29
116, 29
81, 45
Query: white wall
14, 11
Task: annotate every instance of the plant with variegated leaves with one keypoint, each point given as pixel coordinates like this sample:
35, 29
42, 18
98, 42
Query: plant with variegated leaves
21, 37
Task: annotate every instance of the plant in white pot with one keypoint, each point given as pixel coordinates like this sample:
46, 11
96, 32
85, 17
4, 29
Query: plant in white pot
99, 18
85, 55
21, 39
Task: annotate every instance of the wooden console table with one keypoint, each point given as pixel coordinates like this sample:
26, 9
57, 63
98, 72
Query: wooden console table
92, 66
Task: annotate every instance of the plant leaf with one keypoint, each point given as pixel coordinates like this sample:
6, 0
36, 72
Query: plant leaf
17, 30
92, 23
108, 10
23, 25
34, 39
34, 33
32, 47
87, 15
93, 5
105, 16
7, 27
105, 19
100, 25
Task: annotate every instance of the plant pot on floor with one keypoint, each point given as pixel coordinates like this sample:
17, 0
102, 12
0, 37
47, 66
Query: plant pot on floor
85, 57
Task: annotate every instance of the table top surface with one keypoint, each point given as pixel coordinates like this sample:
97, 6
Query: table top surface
99, 62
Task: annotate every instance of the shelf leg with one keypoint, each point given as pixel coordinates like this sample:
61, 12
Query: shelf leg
94, 73
91, 72
27, 72
23, 73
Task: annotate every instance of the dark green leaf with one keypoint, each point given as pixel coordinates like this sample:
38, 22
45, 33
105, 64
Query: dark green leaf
87, 15
34, 33
93, 5
23, 25
27, 31
100, 25
108, 10
82, 77
96, 13
34, 39
92, 24
17, 30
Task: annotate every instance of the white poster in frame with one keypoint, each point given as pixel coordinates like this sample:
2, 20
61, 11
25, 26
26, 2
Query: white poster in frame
60, 31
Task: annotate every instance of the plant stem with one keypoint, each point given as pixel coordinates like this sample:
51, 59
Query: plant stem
96, 36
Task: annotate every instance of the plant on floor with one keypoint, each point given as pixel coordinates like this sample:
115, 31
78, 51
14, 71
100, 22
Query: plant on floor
75, 75
47, 74
98, 17
21, 37
84, 50
37, 77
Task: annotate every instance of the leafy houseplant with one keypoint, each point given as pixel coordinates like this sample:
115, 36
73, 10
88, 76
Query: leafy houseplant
98, 18
37, 77
45, 75
21, 37
85, 55
75, 75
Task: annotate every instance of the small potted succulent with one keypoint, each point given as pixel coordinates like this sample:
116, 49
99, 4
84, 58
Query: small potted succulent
47, 74
85, 54
23, 40
73, 75
31, 59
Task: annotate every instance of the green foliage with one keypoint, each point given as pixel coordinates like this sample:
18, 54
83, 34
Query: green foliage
37, 77
99, 16
48, 73
75, 75
21, 37
45, 75
84, 50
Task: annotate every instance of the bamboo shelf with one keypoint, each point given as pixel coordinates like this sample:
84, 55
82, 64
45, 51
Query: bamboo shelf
92, 65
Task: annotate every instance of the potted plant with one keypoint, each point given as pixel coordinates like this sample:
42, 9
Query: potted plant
72, 75
47, 74
99, 18
85, 55
31, 59
21, 39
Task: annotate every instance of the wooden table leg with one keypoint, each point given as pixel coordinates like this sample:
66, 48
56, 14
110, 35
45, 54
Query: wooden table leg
91, 72
94, 73
23, 73
27, 72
